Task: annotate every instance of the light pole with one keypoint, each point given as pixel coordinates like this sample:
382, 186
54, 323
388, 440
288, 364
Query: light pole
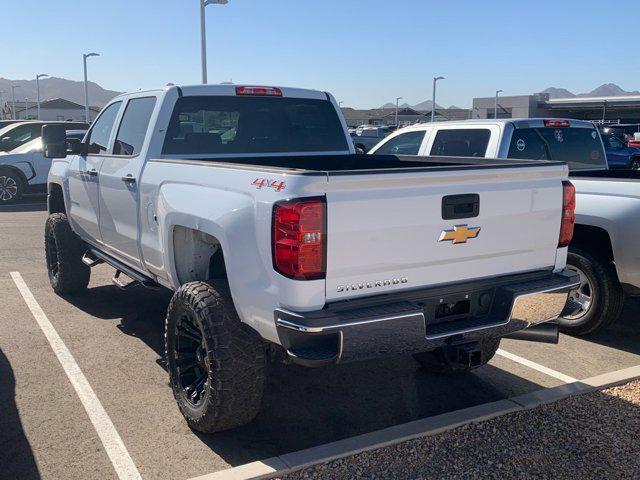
397, 102
203, 33
26, 109
13, 101
86, 84
1, 105
495, 108
38, 77
433, 100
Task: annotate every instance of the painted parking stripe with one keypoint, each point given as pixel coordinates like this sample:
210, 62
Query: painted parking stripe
536, 366
115, 448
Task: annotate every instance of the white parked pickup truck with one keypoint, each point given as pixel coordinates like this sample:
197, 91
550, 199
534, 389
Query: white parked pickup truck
604, 249
280, 243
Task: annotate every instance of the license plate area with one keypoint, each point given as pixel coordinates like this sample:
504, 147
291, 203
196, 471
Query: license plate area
449, 314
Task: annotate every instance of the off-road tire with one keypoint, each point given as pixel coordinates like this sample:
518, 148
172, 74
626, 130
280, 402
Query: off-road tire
63, 251
235, 358
608, 296
442, 360
11, 187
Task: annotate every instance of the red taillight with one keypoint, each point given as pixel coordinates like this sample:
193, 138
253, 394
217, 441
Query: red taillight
568, 213
265, 91
557, 123
299, 238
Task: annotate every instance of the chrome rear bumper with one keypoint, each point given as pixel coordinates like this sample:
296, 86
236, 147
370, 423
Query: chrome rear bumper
412, 322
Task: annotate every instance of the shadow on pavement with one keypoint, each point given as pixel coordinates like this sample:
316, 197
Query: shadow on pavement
307, 407
624, 334
28, 204
16, 457
141, 311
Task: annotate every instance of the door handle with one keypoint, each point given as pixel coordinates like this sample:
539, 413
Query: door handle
128, 179
92, 173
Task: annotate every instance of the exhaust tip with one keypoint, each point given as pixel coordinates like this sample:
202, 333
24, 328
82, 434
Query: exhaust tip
548, 332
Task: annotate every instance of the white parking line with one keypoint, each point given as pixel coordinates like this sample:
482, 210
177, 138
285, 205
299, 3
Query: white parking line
117, 452
536, 366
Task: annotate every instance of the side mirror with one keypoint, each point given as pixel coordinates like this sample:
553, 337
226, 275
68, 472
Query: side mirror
54, 141
76, 147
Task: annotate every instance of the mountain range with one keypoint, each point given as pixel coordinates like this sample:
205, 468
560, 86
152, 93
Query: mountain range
606, 90
426, 105
54, 87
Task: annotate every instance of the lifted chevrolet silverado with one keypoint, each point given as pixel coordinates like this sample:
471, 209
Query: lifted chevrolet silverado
279, 242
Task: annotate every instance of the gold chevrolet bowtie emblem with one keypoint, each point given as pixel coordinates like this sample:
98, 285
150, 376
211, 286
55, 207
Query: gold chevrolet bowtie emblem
459, 234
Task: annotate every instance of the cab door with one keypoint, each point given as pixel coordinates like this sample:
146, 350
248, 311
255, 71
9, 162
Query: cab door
84, 205
119, 182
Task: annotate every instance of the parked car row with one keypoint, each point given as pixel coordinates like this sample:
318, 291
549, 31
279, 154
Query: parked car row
604, 248
23, 166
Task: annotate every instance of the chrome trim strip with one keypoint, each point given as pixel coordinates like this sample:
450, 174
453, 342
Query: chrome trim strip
304, 328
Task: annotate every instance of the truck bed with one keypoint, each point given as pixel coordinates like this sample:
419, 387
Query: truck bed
607, 175
347, 164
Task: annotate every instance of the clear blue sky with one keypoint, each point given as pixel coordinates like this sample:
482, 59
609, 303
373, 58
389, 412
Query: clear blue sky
365, 52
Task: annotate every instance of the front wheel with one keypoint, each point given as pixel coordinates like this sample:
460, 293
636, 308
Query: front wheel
63, 251
598, 301
216, 363
11, 188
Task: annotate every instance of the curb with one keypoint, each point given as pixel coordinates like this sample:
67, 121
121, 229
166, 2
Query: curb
294, 461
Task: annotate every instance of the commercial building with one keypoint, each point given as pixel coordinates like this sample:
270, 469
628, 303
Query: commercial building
55, 109
623, 109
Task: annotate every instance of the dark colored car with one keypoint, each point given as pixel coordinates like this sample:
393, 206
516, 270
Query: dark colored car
619, 154
17, 134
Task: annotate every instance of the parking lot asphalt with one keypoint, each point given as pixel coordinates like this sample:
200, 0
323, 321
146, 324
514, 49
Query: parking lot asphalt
116, 339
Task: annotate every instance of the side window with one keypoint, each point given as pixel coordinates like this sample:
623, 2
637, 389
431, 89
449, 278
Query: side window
403, 144
528, 144
98, 137
467, 142
134, 125
612, 141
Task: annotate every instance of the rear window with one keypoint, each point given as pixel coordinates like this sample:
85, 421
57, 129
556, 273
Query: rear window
581, 148
464, 142
236, 125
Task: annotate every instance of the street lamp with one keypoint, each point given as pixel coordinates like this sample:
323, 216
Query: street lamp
86, 85
38, 77
495, 109
433, 100
397, 102
13, 102
203, 33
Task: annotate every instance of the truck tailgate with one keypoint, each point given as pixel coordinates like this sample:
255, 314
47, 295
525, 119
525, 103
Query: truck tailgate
386, 231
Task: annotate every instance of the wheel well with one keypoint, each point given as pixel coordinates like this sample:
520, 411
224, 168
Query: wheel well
16, 171
55, 199
593, 239
197, 255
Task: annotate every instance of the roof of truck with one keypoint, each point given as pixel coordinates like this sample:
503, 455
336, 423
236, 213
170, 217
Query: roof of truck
230, 90
518, 122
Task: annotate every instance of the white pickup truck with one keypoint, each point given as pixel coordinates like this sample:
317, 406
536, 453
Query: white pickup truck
604, 249
280, 243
